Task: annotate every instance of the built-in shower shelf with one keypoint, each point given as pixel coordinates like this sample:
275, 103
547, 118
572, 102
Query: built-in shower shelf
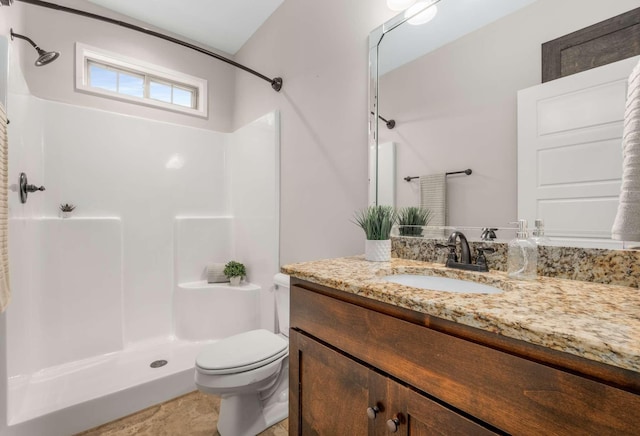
202, 284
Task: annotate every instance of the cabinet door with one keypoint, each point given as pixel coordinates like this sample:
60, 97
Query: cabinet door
328, 392
332, 394
411, 413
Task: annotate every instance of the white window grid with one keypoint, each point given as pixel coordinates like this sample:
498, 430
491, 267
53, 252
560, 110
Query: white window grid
197, 87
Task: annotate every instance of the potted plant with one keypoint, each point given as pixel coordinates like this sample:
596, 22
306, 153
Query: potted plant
411, 219
234, 271
66, 210
377, 221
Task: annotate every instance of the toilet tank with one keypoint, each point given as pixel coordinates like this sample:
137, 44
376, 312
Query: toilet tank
281, 285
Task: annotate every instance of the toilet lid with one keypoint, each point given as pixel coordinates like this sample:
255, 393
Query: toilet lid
242, 352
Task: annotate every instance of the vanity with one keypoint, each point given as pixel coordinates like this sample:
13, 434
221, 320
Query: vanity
550, 356
559, 355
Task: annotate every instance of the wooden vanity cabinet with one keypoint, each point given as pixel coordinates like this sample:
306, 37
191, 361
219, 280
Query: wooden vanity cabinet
333, 393
339, 396
356, 365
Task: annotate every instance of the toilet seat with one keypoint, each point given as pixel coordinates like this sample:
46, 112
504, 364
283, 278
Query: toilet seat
242, 352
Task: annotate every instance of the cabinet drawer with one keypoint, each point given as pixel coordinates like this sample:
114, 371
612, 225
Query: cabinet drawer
514, 394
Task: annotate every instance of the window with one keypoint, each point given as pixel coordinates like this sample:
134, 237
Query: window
110, 75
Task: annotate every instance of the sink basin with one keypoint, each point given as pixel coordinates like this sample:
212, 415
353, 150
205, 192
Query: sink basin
442, 284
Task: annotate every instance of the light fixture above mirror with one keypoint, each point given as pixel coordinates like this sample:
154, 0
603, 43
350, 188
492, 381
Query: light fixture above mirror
415, 12
399, 5
422, 17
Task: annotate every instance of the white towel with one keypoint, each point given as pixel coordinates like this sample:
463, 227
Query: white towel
215, 273
5, 290
433, 196
626, 226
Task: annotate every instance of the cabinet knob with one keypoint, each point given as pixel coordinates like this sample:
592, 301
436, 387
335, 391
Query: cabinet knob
372, 412
393, 424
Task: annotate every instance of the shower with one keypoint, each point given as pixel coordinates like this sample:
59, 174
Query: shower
93, 296
44, 57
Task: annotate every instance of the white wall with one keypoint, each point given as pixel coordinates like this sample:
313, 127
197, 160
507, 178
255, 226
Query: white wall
320, 49
71, 307
116, 165
200, 241
113, 165
59, 31
145, 173
250, 234
254, 168
25, 154
456, 107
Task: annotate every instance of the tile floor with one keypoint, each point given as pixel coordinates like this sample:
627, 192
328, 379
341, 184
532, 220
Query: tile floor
194, 414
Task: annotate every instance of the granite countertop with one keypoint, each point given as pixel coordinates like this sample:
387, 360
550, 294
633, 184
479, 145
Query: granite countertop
595, 321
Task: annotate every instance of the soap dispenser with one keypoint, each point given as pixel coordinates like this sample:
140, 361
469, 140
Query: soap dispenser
522, 258
538, 233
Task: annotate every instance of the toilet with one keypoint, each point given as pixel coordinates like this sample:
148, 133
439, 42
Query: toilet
250, 371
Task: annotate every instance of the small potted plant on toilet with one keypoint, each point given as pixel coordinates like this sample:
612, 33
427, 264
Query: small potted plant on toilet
234, 271
377, 222
66, 210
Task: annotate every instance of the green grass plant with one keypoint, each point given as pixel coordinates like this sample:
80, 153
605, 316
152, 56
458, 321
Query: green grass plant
411, 219
376, 221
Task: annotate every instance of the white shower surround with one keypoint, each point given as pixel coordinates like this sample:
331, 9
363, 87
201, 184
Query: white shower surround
132, 180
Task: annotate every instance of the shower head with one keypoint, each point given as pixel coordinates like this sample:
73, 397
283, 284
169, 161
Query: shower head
44, 57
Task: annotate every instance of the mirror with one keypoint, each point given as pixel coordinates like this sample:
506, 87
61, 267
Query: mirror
451, 87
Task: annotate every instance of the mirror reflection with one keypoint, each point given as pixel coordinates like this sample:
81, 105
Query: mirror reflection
451, 85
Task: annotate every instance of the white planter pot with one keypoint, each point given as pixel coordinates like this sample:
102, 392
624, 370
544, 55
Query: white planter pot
65, 214
377, 251
235, 281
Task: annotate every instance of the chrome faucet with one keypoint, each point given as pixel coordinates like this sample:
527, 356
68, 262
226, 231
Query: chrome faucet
465, 254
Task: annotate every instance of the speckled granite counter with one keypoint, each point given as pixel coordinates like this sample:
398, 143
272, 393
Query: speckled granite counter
595, 321
611, 267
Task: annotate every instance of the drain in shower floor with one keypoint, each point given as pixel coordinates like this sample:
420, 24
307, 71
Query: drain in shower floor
158, 363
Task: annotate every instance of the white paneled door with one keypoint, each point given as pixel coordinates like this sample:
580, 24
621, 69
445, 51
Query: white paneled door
570, 152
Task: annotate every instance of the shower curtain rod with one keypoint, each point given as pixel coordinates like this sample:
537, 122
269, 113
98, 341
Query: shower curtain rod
276, 82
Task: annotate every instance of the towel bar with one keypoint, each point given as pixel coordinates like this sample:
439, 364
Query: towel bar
390, 123
467, 172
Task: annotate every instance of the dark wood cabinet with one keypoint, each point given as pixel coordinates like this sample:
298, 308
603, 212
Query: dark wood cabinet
338, 396
421, 416
333, 391
351, 356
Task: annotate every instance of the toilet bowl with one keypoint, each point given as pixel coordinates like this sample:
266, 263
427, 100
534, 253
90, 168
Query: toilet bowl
249, 371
